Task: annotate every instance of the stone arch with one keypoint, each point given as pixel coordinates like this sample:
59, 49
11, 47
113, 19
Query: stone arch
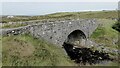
76, 37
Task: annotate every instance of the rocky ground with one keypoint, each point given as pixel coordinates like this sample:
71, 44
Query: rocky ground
86, 55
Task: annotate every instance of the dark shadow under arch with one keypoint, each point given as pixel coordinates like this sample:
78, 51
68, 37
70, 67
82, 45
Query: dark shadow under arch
77, 36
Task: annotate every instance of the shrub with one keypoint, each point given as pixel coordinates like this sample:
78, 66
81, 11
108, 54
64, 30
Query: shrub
116, 26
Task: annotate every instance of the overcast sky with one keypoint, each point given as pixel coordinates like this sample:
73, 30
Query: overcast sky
42, 8
59, 0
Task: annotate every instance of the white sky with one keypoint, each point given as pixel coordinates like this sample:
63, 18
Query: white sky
41, 8
20, 12
59, 0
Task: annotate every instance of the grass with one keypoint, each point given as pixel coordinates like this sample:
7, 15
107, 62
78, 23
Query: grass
24, 50
89, 14
105, 35
66, 15
13, 25
61, 16
104, 32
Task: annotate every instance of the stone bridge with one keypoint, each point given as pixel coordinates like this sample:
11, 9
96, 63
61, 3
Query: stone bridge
57, 32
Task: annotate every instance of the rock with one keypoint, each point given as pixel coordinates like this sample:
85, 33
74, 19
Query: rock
85, 55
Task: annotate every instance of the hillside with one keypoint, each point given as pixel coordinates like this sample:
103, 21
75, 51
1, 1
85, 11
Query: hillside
65, 15
18, 21
25, 50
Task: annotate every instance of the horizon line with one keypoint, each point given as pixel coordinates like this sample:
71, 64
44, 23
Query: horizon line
57, 12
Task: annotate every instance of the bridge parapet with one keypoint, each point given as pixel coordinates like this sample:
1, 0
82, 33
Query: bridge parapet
55, 32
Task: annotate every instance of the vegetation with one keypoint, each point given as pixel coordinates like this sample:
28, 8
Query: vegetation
14, 19
13, 25
106, 36
116, 26
104, 32
57, 16
24, 50
66, 15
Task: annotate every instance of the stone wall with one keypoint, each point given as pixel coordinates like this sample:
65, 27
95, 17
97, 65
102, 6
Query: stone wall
55, 32
15, 31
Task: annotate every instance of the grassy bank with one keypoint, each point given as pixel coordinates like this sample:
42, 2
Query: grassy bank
24, 50
105, 32
106, 36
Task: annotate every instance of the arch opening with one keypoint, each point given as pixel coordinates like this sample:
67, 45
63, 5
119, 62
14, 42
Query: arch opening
76, 38
75, 48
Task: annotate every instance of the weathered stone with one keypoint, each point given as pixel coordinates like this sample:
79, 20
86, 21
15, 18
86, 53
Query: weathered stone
55, 32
